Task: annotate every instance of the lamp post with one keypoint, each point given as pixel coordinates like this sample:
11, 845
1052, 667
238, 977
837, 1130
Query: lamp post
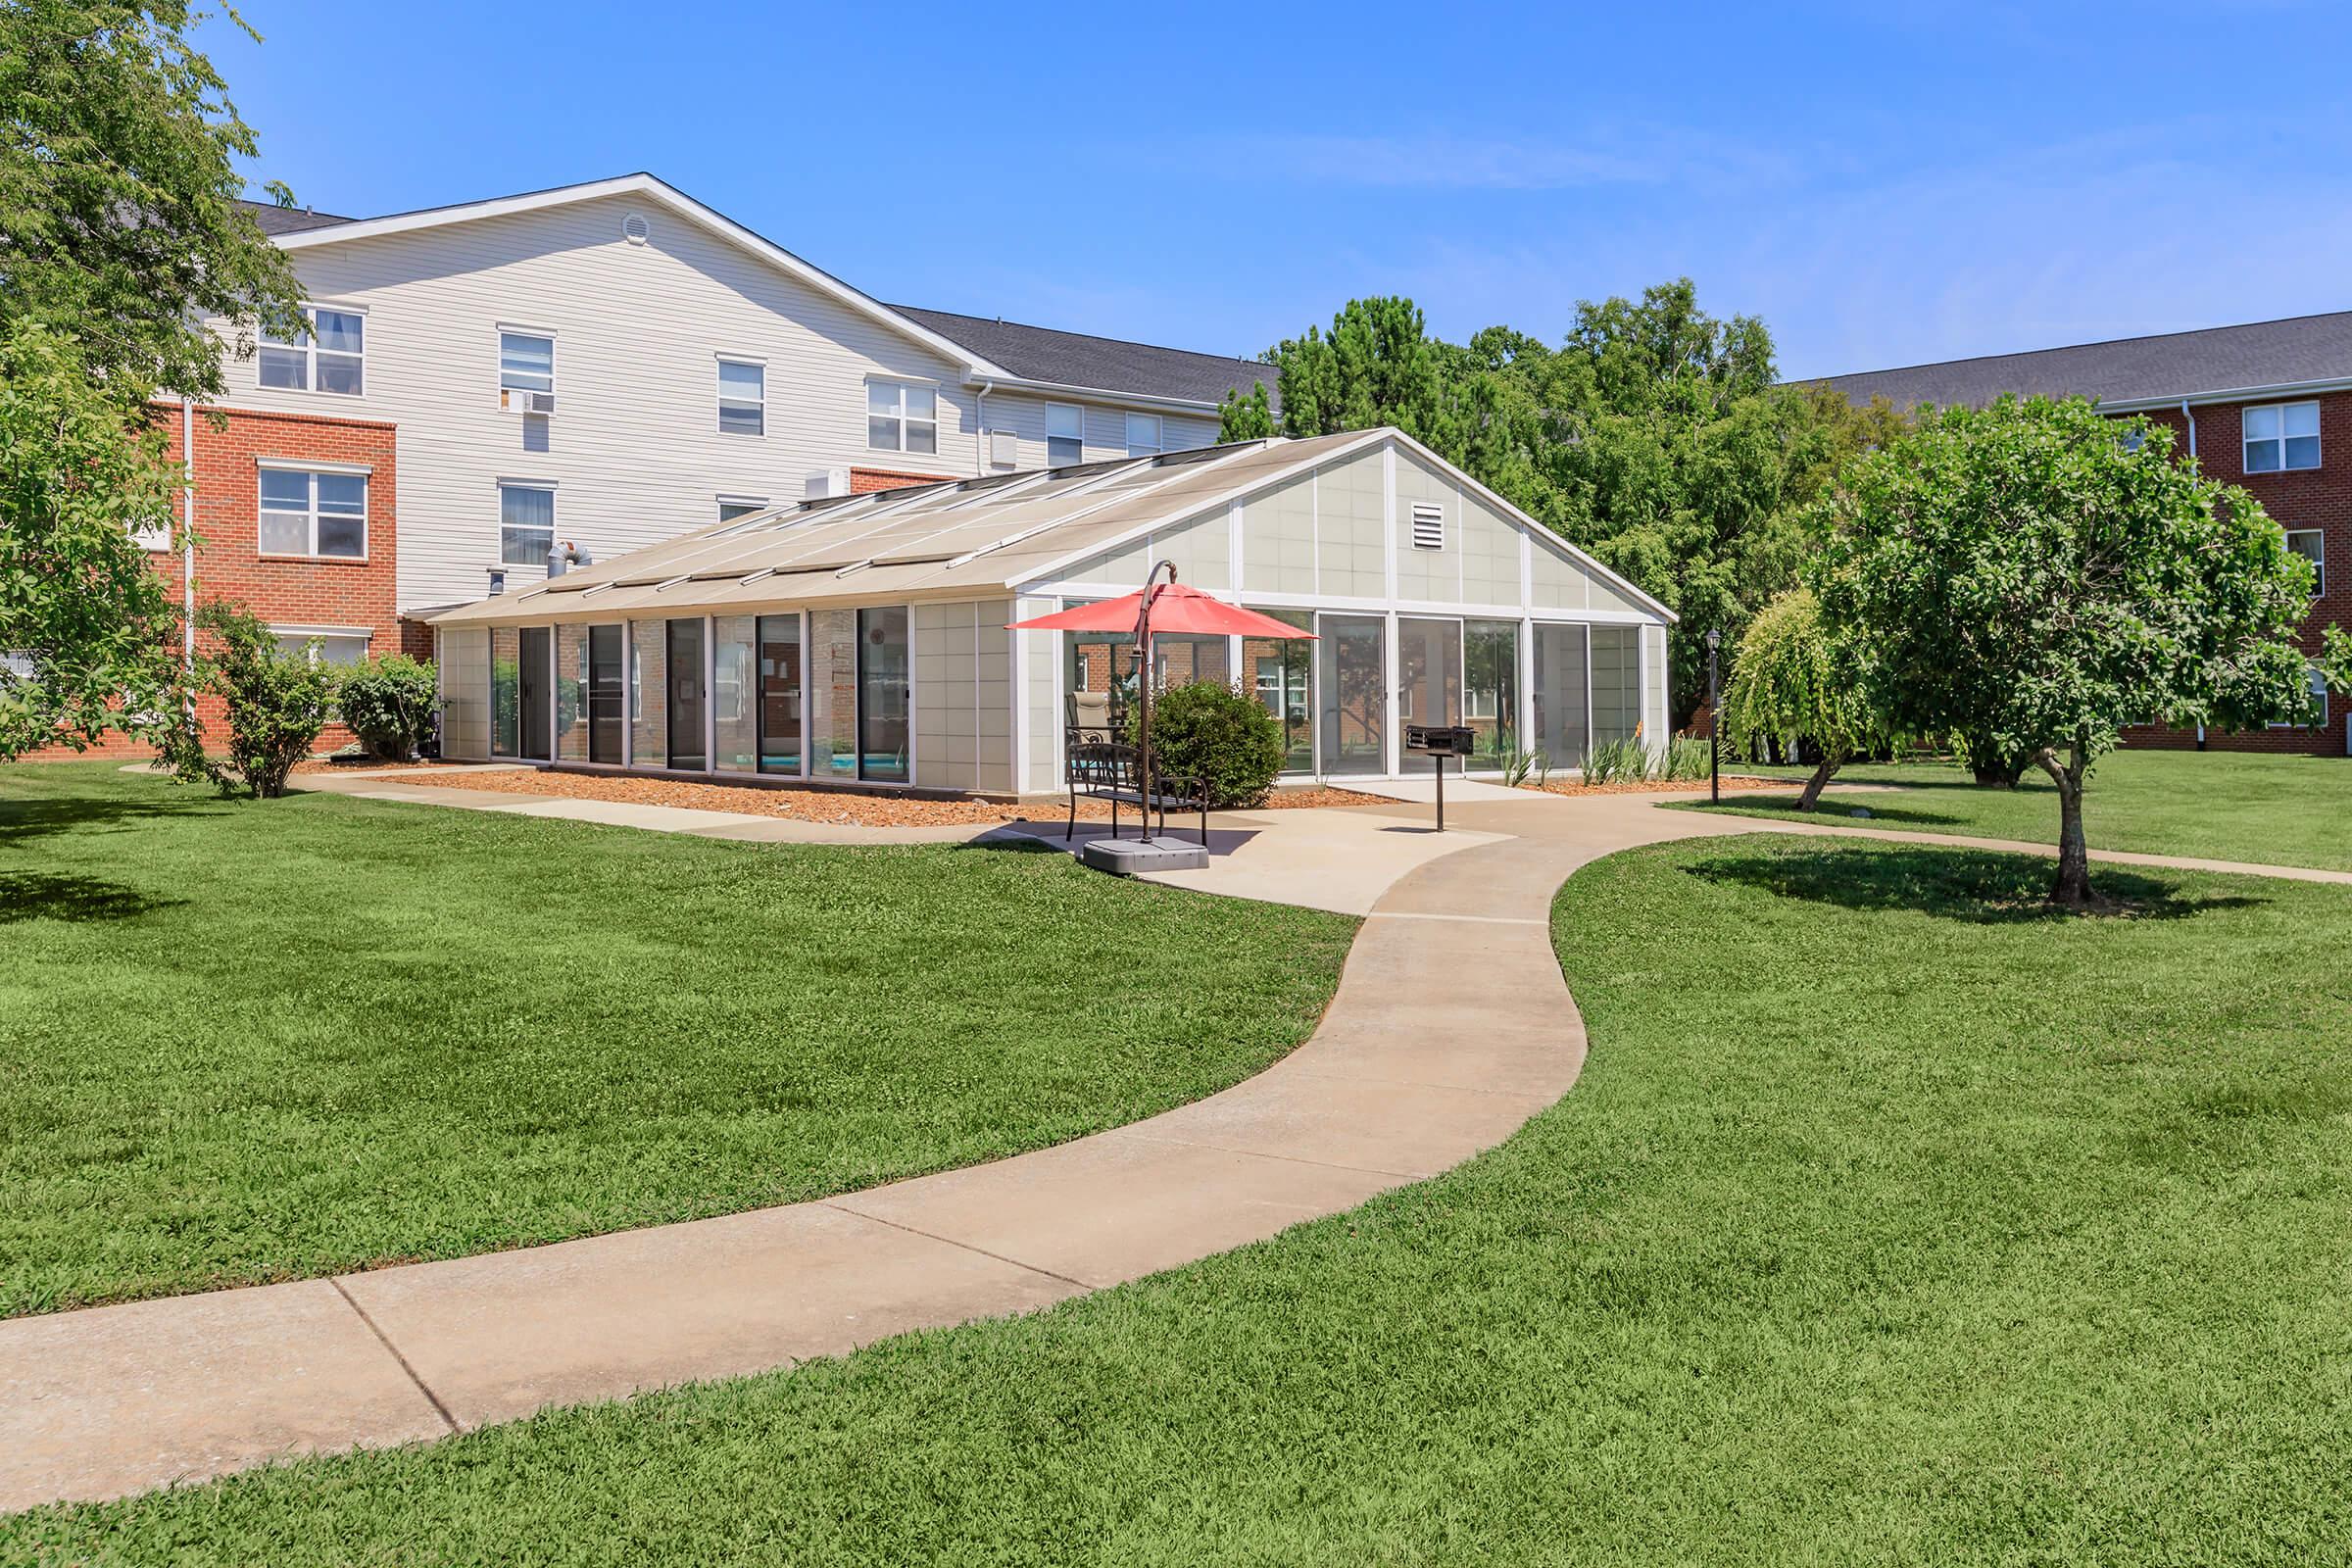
1714, 721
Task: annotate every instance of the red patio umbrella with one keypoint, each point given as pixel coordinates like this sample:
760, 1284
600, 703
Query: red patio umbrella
1160, 606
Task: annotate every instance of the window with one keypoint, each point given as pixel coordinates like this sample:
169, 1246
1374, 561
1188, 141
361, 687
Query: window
526, 363
526, 524
2317, 712
1065, 434
2282, 435
1143, 435
732, 506
307, 511
741, 398
2312, 546
326, 644
155, 535
902, 418
1429, 525
329, 357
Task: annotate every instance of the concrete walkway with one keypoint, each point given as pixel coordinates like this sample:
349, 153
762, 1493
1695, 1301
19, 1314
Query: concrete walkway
1452, 1026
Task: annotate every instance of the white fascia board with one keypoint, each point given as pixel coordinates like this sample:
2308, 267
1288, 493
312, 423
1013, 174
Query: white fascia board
1554, 541
1098, 395
2243, 394
683, 206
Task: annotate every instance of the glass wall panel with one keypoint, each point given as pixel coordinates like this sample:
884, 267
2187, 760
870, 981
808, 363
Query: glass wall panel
1281, 672
734, 721
1561, 718
686, 697
1428, 672
882, 693
779, 693
1101, 662
1491, 689
1354, 676
605, 695
1616, 683
506, 695
533, 695
1184, 660
571, 694
648, 707
833, 693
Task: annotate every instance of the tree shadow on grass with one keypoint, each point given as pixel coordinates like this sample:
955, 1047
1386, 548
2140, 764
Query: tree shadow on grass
38, 895
1977, 886
1834, 810
22, 819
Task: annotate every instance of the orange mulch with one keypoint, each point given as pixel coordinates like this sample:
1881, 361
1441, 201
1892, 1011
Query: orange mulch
1658, 786
361, 765
802, 802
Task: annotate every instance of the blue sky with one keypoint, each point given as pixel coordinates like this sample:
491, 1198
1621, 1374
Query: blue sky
1883, 183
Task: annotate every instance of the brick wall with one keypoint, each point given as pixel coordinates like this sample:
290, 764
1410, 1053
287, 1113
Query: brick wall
864, 481
2306, 499
283, 591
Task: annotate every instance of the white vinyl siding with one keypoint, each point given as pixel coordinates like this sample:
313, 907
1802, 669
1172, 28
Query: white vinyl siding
636, 445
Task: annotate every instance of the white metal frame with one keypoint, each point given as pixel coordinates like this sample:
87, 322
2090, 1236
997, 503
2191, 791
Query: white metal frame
554, 518
348, 471
310, 351
507, 329
721, 398
1078, 409
2245, 441
902, 386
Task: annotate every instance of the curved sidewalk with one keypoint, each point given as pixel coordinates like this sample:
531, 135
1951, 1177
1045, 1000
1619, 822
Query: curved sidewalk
1450, 1027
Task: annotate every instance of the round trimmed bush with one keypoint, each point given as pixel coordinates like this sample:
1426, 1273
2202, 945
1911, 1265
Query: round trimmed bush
388, 703
1220, 735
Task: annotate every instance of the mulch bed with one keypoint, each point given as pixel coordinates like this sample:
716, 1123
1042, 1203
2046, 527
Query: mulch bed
1660, 786
804, 804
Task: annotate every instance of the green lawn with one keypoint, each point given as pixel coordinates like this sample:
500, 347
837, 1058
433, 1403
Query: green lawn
2219, 806
247, 1041
1893, 1221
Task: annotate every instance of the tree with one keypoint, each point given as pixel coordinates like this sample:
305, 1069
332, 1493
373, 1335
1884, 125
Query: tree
1244, 418
1377, 365
2031, 574
118, 191
84, 618
276, 702
1792, 681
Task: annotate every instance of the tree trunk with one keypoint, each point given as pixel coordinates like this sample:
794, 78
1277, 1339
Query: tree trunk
1821, 775
2071, 889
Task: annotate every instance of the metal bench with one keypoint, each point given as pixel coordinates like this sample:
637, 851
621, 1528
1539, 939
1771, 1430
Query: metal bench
1112, 770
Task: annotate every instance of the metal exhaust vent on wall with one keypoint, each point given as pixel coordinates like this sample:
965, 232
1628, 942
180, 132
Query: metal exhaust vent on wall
635, 230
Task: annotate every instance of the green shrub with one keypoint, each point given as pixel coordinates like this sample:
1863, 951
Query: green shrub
1622, 761
388, 703
277, 702
1517, 764
1218, 734
1688, 757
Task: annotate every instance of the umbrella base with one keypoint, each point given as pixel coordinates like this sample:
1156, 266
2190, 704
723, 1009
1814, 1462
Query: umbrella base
1129, 857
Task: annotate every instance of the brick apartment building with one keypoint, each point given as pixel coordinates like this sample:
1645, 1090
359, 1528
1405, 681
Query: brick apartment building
2267, 406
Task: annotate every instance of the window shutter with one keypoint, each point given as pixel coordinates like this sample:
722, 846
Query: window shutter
1429, 525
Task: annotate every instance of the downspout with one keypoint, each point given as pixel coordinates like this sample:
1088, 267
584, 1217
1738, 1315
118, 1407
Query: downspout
2188, 416
980, 463
187, 534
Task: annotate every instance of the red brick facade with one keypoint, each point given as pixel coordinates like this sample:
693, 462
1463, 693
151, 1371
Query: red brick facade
2308, 498
864, 481
284, 591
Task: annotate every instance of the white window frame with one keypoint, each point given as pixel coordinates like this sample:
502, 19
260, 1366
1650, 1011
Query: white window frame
2316, 680
757, 405
508, 330
554, 524
1078, 412
1159, 436
2247, 443
901, 386
365, 636
2318, 558
754, 502
310, 471
309, 351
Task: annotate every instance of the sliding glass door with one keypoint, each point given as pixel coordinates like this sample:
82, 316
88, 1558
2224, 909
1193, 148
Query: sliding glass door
1355, 677
883, 709
683, 660
605, 695
779, 693
533, 704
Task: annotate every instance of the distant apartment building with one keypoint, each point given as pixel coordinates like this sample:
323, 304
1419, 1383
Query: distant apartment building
609, 365
2267, 406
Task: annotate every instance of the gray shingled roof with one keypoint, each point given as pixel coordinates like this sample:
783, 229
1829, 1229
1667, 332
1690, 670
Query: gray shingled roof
1109, 363
2131, 369
277, 220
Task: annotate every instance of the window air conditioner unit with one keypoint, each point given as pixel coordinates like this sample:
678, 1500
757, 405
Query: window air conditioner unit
519, 402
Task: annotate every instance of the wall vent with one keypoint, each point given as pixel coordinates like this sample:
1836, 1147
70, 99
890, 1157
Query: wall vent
635, 228
1429, 525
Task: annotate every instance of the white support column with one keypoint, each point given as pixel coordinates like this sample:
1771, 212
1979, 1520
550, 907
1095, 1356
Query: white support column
709, 694
1526, 716
1392, 756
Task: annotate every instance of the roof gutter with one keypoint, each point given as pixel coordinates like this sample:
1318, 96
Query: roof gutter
2235, 394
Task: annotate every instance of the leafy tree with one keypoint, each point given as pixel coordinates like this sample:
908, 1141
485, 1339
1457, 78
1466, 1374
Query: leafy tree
2027, 572
84, 618
1377, 365
277, 702
1791, 682
1244, 418
388, 701
119, 216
